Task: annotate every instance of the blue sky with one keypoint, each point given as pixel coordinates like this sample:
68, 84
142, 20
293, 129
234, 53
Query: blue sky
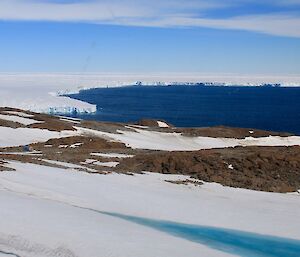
216, 36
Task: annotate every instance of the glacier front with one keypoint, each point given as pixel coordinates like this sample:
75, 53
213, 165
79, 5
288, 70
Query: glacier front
39, 94
44, 92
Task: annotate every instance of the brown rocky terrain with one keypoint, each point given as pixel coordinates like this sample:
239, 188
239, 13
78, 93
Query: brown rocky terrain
3, 167
227, 132
151, 123
275, 169
217, 131
53, 124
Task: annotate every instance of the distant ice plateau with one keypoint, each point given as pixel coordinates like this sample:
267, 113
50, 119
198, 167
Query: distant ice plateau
46, 92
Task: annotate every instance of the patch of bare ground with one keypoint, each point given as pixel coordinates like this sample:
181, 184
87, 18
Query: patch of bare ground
108, 127
48, 122
151, 123
86, 144
3, 166
4, 110
78, 149
22, 158
273, 169
10, 124
227, 132
217, 131
185, 182
42, 160
69, 150
51, 123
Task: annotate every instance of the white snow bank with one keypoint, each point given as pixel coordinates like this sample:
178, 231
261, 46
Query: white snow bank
270, 141
22, 114
54, 226
63, 146
76, 145
21, 120
112, 155
24, 136
153, 140
33, 153
64, 164
68, 165
103, 164
70, 120
106, 164
54, 220
162, 124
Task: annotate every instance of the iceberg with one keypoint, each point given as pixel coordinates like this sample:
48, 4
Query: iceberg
39, 94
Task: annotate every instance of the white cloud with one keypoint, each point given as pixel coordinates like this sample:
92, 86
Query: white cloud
97, 10
289, 2
279, 25
77, 11
160, 13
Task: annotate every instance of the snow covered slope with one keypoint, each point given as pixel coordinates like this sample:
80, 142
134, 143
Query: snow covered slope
24, 136
154, 140
64, 218
21, 120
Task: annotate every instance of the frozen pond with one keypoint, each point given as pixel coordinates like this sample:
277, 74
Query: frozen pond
236, 242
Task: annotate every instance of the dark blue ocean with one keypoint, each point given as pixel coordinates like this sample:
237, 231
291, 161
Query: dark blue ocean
268, 108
